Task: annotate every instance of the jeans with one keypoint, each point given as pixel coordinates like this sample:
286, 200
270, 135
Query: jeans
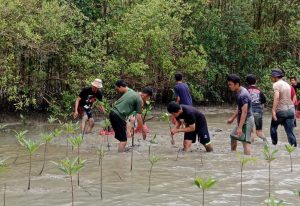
285, 118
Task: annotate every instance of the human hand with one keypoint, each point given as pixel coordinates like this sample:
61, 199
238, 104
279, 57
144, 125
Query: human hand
75, 115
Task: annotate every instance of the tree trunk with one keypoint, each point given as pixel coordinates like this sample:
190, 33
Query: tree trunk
72, 189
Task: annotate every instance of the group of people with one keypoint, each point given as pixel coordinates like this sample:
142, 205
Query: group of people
192, 122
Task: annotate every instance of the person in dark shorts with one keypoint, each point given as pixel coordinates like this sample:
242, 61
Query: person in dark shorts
182, 91
84, 103
245, 121
195, 125
129, 102
258, 99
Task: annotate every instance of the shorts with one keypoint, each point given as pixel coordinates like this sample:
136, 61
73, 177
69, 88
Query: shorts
119, 126
258, 120
203, 135
247, 130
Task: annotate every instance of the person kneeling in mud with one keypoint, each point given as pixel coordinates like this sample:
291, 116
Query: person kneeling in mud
195, 125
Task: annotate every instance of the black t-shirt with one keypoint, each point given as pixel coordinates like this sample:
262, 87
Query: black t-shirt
88, 97
191, 115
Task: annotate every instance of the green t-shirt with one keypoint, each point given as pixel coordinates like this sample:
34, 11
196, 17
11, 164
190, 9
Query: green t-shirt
128, 103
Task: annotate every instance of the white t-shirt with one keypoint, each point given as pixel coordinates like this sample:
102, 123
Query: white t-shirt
285, 101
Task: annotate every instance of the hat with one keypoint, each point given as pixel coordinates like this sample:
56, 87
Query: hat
277, 73
97, 83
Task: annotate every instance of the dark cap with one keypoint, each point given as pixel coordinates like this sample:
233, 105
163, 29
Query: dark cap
277, 73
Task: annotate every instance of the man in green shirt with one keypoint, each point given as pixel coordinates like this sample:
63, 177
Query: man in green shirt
129, 102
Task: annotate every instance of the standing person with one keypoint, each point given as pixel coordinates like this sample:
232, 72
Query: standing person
243, 113
283, 111
84, 103
129, 102
182, 91
258, 99
195, 125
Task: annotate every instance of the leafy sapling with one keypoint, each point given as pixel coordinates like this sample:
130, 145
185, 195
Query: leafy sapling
70, 167
243, 162
290, 149
166, 118
269, 156
204, 185
20, 137
153, 160
76, 142
47, 139
31, 148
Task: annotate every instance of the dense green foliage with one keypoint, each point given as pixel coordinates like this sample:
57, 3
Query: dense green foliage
50, 49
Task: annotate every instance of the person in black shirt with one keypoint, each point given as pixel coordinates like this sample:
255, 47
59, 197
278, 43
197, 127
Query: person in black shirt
84, 103
195, 125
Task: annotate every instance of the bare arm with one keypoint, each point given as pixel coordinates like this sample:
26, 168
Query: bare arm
275, 103
76, 107
178, 99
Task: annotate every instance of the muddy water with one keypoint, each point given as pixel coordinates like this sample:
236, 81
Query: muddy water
171, 183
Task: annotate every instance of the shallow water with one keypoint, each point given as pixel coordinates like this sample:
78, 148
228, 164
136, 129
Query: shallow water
172, 181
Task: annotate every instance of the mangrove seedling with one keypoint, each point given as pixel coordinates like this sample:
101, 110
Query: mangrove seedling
2, 126
273, 202
152, 141
70, 167
152, 159
204, 185
290, 149
51, 119
269, 156
166, 118
101, 154
31, 148
106, 125
243, 162
23, 120
76, 142
20, 137
48, 138
70, 129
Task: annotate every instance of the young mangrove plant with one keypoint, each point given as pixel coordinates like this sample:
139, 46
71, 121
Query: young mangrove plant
31, 148
70, 129
23, 120
106, 125
47, 139
152, 141
272, 202
269, 156
20, 137
101, 153
152, 159
166, 118
2, 126
243, 162
290, 149
204, 185
76, 142
70, 167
